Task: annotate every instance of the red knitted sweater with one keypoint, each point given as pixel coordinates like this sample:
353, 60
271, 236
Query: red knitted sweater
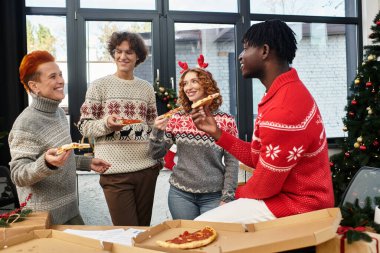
288, 151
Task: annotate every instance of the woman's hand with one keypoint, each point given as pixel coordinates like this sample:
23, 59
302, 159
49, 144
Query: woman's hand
99, 165
113, 122
204, 121
52, 158
161, 122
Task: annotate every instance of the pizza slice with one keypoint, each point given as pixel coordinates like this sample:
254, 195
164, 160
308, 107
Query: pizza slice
171, 112
205, 101
73, 145
188, 240
129, 121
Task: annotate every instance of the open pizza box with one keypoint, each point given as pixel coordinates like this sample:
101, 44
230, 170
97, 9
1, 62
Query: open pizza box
33, 221
48, 241
282, 234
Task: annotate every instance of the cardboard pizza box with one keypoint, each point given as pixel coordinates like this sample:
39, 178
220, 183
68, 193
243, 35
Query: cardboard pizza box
282, 234
33, 221
47, 241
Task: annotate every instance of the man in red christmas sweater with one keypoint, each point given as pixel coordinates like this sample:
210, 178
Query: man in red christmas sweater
288, 148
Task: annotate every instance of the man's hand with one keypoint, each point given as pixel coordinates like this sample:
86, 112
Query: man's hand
99, 165
161, 122
204, 121
52, 158
113, 122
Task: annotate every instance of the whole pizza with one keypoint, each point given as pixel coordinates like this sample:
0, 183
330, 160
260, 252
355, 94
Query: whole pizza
188, 240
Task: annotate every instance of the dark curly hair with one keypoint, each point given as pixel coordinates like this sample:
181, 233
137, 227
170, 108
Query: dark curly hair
208, 83
136, 42
276, 34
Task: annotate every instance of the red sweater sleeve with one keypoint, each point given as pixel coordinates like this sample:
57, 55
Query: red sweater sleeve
238, 148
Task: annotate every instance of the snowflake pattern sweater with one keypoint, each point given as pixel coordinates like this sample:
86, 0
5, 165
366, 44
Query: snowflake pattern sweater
126, 150
288, 151
200, 168
41, 126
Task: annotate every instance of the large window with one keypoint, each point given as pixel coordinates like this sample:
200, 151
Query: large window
49, 33
76, 32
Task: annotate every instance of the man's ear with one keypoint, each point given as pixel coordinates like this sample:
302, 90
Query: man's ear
266, 51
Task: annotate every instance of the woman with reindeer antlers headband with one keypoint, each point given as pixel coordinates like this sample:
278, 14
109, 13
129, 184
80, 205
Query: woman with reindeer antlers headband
205, 175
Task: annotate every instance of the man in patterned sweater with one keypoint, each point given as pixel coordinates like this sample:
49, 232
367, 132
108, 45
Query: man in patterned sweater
288, 148
129, 184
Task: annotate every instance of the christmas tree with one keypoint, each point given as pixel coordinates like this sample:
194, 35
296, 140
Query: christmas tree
361, 146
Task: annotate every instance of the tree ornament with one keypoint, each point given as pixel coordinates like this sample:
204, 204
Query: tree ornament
331, 164
362, 147
356, 145
378, 23
169, 106
357, 81
373, 90
351, 114
354, 102
375, 143
345, 129
371, 57
166, 93
347, 154
161, 89
372, 36
368, 84
370, 111
359, 139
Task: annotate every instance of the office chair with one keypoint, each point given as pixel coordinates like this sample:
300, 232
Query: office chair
365, 183
8, 192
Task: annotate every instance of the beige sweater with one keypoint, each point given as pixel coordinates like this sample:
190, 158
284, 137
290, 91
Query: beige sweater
126, 150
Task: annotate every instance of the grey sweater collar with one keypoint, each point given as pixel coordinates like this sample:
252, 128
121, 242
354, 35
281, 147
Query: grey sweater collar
44, 104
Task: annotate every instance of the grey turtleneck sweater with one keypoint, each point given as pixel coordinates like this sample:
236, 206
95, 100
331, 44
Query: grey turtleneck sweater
41, 126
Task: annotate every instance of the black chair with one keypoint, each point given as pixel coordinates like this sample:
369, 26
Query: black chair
365, 183
8, 192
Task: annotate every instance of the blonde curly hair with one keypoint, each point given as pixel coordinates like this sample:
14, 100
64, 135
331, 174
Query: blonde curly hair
209, 85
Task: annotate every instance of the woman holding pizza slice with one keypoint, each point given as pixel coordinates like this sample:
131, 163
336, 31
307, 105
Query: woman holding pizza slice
205, 175
36, 167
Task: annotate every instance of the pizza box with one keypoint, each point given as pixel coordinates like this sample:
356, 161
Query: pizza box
33, 221
293, 232
47, 241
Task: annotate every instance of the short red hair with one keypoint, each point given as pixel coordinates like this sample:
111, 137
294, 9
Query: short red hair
29, 65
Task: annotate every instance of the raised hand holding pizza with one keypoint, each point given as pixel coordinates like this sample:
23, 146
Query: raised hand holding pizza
204, 121
161, 122
55, 160
114, 123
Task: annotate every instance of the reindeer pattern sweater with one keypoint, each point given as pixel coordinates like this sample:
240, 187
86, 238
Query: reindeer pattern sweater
126, 150
288, 151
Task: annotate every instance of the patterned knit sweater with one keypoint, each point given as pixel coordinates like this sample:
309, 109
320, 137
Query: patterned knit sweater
288, 151
41, 126
126, 150
200, 167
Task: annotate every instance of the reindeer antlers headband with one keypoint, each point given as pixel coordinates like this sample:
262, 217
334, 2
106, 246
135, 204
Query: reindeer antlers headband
201, 63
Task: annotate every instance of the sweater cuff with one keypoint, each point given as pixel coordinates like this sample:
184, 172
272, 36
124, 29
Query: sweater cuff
83, 162
225, 140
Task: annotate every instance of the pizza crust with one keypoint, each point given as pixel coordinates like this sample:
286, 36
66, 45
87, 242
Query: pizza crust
171, 112
73, 145
192, 244
205, 101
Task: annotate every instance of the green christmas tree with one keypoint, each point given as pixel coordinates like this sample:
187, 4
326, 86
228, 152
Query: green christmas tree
361, 146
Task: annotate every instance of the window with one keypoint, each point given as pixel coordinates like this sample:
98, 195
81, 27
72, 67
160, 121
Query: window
99, 61
204, 5
334, 8
49, 33
217, 43
45, 3
119, 4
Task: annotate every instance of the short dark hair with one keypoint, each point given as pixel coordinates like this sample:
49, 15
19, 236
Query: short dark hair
276, 34
136, 42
